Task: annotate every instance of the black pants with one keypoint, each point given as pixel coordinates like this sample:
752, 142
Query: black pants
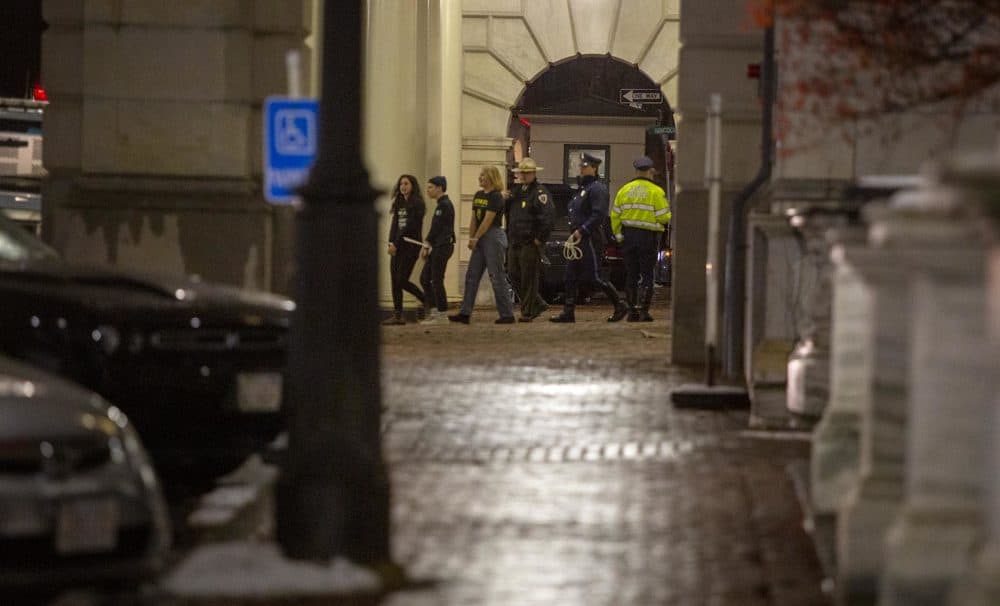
585, 269
400, 268
432, 277
524, 265
639, 255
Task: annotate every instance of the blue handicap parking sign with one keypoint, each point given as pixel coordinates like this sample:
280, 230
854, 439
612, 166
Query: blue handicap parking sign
290, 140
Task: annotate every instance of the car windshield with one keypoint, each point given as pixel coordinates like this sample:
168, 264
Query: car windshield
16, 244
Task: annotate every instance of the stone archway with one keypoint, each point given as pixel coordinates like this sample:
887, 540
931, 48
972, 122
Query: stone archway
506, 47
508, 43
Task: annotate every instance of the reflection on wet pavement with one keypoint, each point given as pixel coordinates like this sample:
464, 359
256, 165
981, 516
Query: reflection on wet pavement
544, 465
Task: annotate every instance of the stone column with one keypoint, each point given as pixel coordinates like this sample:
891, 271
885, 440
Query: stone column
952, 403
951, 396
772, 272
444, 110
902, 242
394, 111
836, 441
868, 508
153, 136
716, 45
982, 587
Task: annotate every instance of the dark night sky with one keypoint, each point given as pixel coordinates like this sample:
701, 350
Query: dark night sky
20, 46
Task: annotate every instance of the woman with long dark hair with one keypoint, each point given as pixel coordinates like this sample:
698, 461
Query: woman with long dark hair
405, 241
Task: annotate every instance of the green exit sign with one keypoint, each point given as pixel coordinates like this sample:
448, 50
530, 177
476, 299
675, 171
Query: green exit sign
669, 131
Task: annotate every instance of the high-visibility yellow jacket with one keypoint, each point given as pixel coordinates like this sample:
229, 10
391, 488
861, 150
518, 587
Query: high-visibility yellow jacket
642, 204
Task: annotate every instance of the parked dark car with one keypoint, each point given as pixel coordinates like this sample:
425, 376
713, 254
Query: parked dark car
610, 264
198, 368
79, 500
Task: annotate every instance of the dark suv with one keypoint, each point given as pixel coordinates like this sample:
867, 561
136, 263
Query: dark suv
197, 367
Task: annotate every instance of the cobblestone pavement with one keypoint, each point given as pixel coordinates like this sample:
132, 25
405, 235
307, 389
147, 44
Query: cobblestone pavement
543, 464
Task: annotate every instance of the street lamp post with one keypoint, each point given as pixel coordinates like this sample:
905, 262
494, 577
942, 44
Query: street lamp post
333, 492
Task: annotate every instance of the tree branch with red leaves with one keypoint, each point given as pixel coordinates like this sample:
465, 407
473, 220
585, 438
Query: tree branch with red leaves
853, 60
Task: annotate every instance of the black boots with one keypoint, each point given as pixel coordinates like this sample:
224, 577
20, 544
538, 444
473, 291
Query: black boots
569, 308
568, 313
639, 312
620, 309
632, 298
647, 299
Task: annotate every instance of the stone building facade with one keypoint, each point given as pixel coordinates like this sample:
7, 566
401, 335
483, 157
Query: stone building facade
153, 136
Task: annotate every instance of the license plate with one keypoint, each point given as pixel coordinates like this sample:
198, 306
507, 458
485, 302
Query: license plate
258, 391
87, 526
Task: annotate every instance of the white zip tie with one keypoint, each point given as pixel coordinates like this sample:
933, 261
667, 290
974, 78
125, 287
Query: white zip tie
417, 242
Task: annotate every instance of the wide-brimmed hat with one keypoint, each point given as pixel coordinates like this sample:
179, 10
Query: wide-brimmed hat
527, 165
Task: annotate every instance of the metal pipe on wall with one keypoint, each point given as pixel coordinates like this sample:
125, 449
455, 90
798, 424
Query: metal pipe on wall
736, 244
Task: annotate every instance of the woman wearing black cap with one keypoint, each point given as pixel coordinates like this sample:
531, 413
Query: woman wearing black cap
438, 248
405, 237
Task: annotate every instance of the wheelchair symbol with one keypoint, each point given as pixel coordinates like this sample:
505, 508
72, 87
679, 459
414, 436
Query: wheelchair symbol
295, 132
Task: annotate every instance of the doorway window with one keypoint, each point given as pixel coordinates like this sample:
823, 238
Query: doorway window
571, 160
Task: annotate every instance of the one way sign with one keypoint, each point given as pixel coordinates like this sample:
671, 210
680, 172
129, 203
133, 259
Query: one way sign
636, 97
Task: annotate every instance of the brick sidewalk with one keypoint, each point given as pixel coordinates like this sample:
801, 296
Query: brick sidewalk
542, 464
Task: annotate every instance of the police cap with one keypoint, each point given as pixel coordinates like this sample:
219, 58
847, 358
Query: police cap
643, 163
589, 160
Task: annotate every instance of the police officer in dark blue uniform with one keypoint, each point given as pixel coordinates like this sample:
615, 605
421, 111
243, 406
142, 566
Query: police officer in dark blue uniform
587, 211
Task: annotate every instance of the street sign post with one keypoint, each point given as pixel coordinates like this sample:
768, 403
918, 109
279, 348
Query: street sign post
639, 96
290, 142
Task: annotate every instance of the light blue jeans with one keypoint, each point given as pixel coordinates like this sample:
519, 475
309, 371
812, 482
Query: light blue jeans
489, 254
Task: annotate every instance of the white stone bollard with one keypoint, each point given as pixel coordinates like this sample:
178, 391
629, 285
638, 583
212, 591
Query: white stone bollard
836, 441
867, 510
929, 547
982, 586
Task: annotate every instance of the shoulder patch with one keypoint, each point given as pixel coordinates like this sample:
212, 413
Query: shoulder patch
544, 199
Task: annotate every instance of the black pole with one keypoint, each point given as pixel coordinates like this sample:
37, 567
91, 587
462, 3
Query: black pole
736, 244
333, 492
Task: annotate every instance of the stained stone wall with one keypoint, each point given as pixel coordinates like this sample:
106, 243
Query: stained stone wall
717, 43
153, 133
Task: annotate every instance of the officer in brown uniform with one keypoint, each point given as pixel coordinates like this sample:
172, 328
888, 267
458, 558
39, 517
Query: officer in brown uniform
529, 223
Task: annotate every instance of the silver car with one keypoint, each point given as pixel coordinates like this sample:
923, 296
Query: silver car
79, 500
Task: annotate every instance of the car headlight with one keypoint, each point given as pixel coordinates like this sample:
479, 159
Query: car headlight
140, 462
107, 337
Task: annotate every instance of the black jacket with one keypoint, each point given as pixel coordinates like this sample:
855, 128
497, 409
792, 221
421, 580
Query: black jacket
442, 223
407, 220
531, 213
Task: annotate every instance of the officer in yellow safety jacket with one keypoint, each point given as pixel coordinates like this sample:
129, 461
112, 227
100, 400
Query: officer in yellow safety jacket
638, 218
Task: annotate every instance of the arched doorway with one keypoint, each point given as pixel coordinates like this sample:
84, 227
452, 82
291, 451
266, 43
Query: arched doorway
583, 92
508, 47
